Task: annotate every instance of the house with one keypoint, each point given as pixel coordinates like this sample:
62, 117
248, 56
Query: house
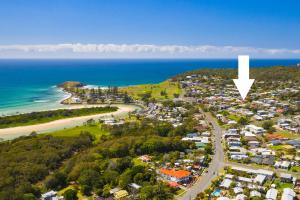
51, 195
121, 194
284, 122
249, 136
191, 135
114, 190
226, 183
253, 144
288, 178
178, 176
255, 193
260, 179
223, 198
288, 194
244, 179
200, 145
263, 159
271, 194
267, 173
145, 158
255, 129
240, 197
173, 184
282, 164
204, 140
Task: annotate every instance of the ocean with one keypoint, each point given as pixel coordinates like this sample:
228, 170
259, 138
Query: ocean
29, 85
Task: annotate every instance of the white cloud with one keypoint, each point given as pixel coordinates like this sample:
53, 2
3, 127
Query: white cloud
139, 51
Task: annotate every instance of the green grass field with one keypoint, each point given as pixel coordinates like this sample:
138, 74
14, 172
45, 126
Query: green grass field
95, 130
170, 88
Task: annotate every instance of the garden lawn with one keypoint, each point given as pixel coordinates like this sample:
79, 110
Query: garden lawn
295, 169
288, 134
79, 194
137, 162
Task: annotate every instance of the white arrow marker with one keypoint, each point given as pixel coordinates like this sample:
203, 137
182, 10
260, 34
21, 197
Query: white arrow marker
243, 83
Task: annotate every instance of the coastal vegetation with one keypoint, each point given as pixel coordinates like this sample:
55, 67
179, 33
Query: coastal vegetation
51, 115
74, 159
27, 160
268, 74
70, 84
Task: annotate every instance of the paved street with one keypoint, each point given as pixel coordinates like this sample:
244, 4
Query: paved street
278, 171
216, 165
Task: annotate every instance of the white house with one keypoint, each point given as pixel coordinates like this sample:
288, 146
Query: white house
288, 194
255, 129
271, 194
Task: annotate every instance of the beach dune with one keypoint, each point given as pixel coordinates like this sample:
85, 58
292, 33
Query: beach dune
14, 132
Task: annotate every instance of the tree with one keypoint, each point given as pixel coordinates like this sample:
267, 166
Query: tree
176, 95
56, 181
29, 196
70, 194
86, 190
126, 98
158, 192
201, 195
106, 190
268, 125
125, 179
243, 121
89, 178
208, 149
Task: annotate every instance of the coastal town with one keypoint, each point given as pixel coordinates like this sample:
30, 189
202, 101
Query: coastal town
201, 142
149, 100
238, 149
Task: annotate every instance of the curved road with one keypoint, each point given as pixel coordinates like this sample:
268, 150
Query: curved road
215, 166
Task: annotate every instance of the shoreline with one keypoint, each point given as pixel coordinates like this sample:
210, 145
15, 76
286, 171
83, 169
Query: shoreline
14, 132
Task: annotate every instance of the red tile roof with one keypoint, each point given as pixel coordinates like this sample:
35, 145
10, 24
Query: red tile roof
173, 184
175, 173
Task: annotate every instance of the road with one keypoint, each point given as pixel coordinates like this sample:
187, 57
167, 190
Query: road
277, 171
215, 166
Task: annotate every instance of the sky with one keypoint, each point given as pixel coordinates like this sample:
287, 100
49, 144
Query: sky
149, 28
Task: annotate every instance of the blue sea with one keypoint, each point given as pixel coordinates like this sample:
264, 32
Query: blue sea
29, 85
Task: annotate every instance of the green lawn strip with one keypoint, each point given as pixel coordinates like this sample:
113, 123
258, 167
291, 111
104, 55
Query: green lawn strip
288, 134
295, 169
170, 88
52, 115
233, 117
95, 130
281, 185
